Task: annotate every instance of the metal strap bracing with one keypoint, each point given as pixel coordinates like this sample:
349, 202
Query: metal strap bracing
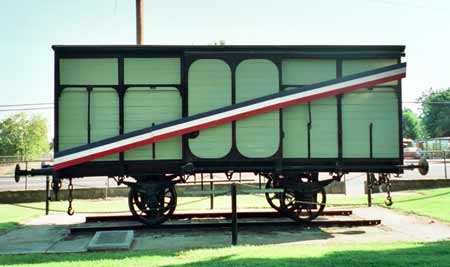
227, 114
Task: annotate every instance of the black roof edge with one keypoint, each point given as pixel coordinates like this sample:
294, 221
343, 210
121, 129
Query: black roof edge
174, 48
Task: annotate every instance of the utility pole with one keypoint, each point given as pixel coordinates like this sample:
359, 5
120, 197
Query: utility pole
139, 22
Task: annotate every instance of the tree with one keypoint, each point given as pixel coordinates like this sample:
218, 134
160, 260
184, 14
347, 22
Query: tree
218, 43
411, 124
21, 135
436, 112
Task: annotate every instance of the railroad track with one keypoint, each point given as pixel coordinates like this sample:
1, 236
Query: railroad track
205, 221
213, 214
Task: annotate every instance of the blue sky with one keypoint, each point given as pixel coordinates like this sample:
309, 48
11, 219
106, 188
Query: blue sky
29, 28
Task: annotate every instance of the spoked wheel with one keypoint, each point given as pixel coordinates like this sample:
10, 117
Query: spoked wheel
274, 198
303, 206
152, 203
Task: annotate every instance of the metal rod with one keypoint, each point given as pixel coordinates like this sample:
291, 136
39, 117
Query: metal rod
259, 179
211, 186
139, 22
107, 187
26, 177
47, 194
369, 190
201, 180
234, 218
445, 164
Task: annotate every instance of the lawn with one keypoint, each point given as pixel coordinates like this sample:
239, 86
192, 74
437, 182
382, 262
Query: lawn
433, 203
335, 255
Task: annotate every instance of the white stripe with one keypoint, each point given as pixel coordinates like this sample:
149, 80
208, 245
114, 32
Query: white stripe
226, 114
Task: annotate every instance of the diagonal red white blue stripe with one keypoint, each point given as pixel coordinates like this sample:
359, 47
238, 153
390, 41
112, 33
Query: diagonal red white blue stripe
216, 117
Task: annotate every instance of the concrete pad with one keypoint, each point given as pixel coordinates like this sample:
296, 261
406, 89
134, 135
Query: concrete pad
111, 240
71, 245
58, 219
413, 227
31, 239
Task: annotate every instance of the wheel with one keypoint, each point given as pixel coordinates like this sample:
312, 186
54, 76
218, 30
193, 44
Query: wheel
152, 204
274, 199
303, 206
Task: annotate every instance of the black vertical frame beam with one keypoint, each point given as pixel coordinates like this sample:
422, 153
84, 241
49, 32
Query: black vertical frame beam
309, 129
184, 73
153, 146
339, 110
121, 91
400, 118
279, 64
233, 65
89, 91
56, 102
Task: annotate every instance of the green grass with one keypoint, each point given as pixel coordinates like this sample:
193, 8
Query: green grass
333, 255
432, 203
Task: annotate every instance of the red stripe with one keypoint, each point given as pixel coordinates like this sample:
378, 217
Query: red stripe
225, 120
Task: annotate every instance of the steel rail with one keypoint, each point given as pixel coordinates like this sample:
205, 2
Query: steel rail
213, 214
226, 225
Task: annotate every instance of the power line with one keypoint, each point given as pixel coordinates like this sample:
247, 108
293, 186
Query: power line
25, 109
30, 104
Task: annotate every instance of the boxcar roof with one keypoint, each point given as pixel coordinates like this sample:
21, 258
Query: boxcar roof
391, 50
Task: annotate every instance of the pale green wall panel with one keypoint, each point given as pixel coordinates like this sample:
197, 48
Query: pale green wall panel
104, 116
166, 105
209, 88
359, 109
359, 65
386, 142
73, 118
88, 71
307, 71
324, 137
144, 106
324, 128
152, 70
258, 136
138, 115
295, 128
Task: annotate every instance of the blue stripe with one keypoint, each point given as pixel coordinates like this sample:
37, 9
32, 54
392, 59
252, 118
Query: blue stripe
229, 108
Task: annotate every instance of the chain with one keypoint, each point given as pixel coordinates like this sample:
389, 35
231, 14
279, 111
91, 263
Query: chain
193, 201
328, 204
388, 201
70, 210
56, 185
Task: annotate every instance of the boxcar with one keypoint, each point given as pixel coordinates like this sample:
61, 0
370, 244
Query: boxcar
103, 92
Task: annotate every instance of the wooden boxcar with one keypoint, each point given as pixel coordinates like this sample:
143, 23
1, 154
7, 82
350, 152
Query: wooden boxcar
102, 92
105, 91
